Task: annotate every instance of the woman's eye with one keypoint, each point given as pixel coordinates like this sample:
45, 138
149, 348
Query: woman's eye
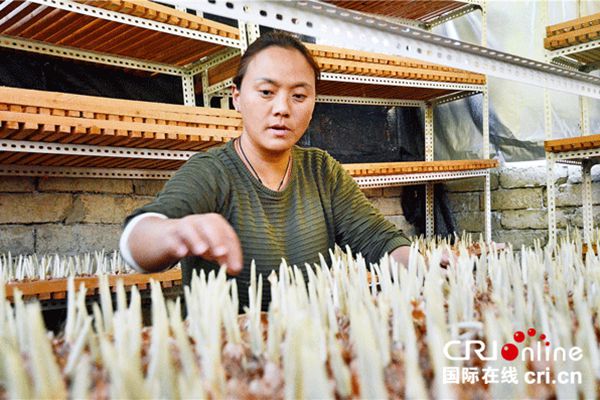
300, 96
266, 92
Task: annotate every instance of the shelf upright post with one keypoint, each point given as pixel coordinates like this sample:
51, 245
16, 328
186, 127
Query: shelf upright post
586, 200
485, 128
429, 186
586, 166
550, 163
584, 116
586, 176
484, 23
487, 191
243, 36
551, 193
550, 157
252, 32
205, 96
189, 95
187, 80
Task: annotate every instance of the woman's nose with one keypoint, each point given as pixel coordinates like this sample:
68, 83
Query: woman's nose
281, 105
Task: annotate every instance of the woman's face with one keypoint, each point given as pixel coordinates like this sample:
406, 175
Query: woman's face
276, 98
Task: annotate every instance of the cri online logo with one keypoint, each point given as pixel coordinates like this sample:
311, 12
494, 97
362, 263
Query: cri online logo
510, 351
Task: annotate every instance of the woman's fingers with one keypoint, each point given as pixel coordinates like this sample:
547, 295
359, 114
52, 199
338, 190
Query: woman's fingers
211, 237
224, 244
194, 240
234, 259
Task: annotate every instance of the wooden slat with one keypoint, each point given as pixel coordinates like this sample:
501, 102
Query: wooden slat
371, 61
29, 159
75, 119
344, 61
45, 289
420, 10
133, 108
573, 32
573, 24
574, 37
358, 68
24, 13
160, 13
572, 144
379, 91
113, 127
72, 29
412, 167
30, 20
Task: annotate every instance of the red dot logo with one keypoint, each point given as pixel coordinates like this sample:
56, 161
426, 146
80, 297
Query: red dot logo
509, 352
531, 332
519, 336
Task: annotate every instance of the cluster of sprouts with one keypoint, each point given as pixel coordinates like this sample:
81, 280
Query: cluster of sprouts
338, 329
34, 267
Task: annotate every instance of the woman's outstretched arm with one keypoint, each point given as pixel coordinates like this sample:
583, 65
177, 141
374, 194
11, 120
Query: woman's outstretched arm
155, 243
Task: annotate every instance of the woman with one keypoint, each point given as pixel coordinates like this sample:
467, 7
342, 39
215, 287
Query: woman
260, 197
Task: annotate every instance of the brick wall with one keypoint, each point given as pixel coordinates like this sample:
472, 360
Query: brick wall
388, 201
69, 216
519, 200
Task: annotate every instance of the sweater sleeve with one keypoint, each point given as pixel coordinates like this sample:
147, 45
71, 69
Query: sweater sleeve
199, 186
358, 223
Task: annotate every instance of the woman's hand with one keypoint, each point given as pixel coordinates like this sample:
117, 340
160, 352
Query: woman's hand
156, 243
209, 236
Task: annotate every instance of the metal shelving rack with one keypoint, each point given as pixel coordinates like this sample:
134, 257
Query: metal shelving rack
417, 13
568, 45
140, 36
422, 93
581, 151
350, 29
575, 44
330, 24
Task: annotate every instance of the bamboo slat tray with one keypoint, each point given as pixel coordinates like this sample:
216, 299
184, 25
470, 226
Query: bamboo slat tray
416, 167
419, 10
352, 62
77, 161
57, 288
572, 32
345, 61
65, 118
572, 144
71, 29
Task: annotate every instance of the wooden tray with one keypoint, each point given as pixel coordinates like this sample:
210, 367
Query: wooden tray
572, 144
415, 167
77, 161
35, 115
419, 10
70, 29
572, 32
57, 288
353, 62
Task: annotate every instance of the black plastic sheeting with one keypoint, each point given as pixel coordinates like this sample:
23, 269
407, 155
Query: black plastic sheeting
350, 133
40, 72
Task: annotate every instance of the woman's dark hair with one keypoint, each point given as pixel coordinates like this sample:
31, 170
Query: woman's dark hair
279, 39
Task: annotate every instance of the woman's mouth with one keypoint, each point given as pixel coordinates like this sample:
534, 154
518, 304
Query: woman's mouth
279, 130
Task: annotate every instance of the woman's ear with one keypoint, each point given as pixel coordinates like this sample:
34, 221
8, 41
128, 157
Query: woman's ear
235, 97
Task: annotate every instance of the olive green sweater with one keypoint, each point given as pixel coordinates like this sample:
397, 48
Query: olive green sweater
321, 206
